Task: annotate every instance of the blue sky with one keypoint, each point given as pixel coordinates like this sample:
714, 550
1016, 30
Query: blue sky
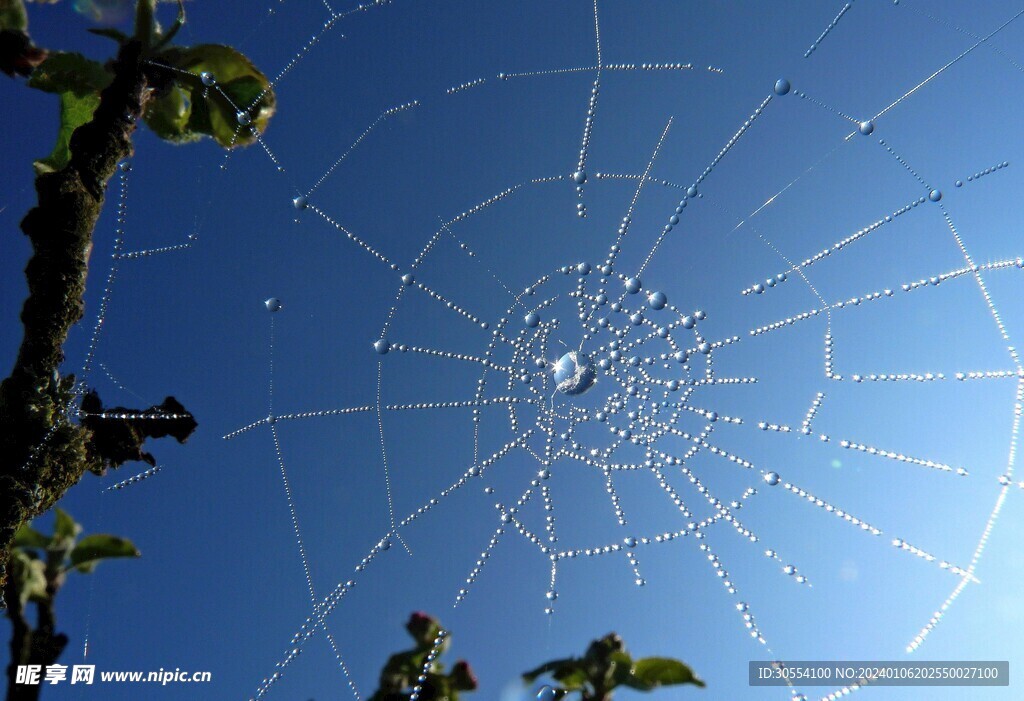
221, 587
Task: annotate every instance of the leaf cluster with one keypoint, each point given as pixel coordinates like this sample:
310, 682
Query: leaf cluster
607, 665
41, 562
207, 90
405, 670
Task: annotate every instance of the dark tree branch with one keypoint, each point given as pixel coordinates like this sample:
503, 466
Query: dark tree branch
43, 452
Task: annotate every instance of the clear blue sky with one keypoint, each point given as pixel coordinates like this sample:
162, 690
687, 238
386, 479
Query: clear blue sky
220, 586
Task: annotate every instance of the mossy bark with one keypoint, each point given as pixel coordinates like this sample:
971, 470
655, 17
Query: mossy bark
43, 451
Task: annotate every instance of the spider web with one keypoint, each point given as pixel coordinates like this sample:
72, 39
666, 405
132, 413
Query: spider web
618, 359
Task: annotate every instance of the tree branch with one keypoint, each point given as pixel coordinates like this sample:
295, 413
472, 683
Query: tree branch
42, 452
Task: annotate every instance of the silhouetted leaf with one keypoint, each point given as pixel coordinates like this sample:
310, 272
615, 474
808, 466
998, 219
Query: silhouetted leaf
462, 677
549, 668
109, 32
652, 672
93, 548
145, 22
64, 72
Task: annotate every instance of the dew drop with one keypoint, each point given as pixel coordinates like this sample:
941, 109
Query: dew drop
782, 86
657, 300
273, 304
866, 127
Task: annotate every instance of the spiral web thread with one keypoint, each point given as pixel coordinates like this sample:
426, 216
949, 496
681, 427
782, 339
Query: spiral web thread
659, 366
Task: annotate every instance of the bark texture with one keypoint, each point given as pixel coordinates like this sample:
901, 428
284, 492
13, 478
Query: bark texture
43, 451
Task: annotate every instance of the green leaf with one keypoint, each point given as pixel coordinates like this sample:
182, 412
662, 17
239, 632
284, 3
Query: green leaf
548, 668
78, 81
13, 16
652, 672
168, 116
240, 86
93, 548
621, 668
70, 72
74, 112
29, 577
65, 526
571, 677
28, 537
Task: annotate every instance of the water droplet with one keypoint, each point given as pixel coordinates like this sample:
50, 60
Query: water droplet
208, 79
244, 119
124, 166
382, 346
691, 191
546, 693
300, 202
408, 279
273, 304
579, 177
633, 285
772, 478
782, 86
583, 268
630, 542
574, 373
657, 300
866, 127
532, 320
552, 595
935, 195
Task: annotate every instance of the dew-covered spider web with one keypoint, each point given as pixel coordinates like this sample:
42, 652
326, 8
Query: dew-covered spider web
649, 313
